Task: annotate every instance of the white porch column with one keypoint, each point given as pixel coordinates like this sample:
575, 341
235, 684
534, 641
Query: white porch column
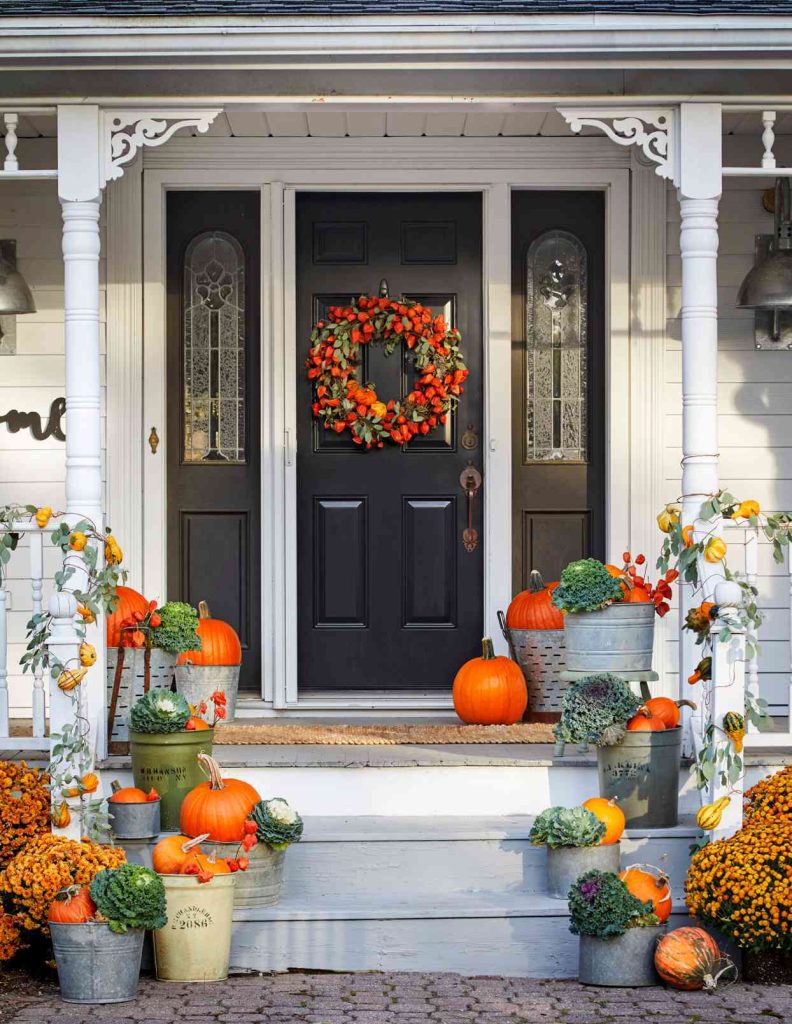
79, 190
699, 155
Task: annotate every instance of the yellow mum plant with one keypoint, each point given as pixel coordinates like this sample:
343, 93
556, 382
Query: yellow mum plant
32, 879
770, 799
742, 886
24, 807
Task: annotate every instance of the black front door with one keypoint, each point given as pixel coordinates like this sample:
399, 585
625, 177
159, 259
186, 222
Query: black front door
388, 596
213, 449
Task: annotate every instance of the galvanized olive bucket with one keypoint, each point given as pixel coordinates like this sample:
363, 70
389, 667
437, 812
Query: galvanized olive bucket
197, 682
565, 864
623, 961
195, 944
642, 773
169, 763
619, 638
96, 965
134, 821
262, 883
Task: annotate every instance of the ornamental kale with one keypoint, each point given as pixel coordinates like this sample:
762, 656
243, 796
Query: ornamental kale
586, 586
596, 709
600, 904
177, 630
129, 896
277, 824
159, 711
567, 826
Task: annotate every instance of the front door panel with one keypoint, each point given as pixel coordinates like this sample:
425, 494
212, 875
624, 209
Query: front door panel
388, 596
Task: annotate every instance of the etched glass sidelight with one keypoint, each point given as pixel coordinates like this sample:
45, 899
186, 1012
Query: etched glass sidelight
213, 349
556, 350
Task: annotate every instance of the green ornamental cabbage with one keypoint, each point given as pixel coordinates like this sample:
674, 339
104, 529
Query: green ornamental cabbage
178, 628
277, 824
600, 904
596, 709
129, 896
586, 586
159, 711
567, 826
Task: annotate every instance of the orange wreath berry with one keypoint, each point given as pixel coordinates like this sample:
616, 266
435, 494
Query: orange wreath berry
342, 403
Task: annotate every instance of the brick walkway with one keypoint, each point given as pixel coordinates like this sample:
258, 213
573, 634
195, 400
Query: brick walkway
404, 999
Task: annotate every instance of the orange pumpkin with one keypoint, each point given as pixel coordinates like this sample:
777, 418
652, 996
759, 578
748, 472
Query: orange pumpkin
649, 883
611, 815
171, 853
689, 959
194, 722
533, 608
72, 906
490, 690
667, 710
645, 721
217, 808
219, 643
633, 592
130, 601
128, 795
206, 863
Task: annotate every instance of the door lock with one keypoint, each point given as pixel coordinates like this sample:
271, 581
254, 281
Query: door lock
153, 440
471, 482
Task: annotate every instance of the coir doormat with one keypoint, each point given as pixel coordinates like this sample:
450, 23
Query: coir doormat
381, 735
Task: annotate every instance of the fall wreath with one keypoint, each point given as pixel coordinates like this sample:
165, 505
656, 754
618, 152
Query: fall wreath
342, 402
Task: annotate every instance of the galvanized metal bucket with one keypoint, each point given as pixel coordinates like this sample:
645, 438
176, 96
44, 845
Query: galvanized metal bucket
623, 961
565, 864
262, 883
195, 944
196, 682
96, 965
642, 773
131, 672
540, 655
169, 763
619, 638
134, 821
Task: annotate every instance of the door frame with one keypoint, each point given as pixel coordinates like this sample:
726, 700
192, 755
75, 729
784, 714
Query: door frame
575, 165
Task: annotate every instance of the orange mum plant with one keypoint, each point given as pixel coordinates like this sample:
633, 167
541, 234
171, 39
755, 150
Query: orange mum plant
770, 799
24, 807
32, 879
742, 886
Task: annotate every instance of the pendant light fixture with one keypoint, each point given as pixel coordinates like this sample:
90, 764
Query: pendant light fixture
767, 287
15, 295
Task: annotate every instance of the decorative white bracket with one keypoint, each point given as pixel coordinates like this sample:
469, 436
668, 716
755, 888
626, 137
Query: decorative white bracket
650, 128
124, 132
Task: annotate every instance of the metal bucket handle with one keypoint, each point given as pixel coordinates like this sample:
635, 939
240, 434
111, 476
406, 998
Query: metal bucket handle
506, 635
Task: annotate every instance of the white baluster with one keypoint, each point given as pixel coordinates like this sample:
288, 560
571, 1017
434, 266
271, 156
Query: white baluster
37, 588
768, 138
751, 575
4, 723
11, 122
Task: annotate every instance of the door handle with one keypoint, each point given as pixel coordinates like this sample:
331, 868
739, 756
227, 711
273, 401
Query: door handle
471, 482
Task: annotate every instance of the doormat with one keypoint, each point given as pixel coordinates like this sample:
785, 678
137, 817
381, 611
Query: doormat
381, 735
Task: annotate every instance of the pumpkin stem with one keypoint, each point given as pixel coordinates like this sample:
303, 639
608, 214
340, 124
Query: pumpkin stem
211, 769
535, 582
687, 704
192, 843
487, 650
115, 785
203, 610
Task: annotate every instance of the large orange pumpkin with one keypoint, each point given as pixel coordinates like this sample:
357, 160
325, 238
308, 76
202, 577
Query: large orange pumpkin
533, 608
130, 601
217, 808
689, 958
490, 690
171, 853
649, 883
72, 906
610, 814
219, 643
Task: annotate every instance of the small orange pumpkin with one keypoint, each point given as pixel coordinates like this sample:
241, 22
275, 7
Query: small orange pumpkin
218, 807
171, 853
194, 722
206, 863
689, 959
130, 601
667, 710
219, 643
490, 690
127, 795
645, 721
649, 883
533, 608
611, 815
72, 906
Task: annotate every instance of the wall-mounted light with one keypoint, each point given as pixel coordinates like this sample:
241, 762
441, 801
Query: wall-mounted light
15, 296
767, 288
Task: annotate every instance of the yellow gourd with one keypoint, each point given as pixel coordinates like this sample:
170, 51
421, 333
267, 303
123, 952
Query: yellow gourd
43, 516
715, 550
61, 815
746, 509
77, 541
668, 518
709, 817
87, 655
70, 678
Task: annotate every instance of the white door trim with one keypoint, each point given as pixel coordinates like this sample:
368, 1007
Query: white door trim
334, 168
